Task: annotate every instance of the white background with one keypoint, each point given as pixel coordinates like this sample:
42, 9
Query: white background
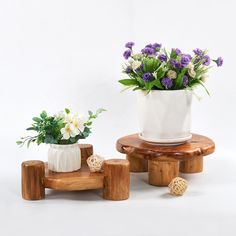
56, 54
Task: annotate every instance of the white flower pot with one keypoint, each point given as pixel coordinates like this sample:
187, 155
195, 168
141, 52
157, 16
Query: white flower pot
165, 116
64, 158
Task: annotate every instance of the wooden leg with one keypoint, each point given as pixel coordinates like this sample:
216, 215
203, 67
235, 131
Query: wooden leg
33, 173
86, 151
192, 166
137, 164
161, 172
116, 179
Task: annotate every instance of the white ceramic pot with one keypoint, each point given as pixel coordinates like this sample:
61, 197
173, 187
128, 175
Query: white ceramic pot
64, 158
165, 116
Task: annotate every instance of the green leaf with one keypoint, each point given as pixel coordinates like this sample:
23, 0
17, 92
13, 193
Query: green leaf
128, 82
43, 114
67, 110
150, 64
31, 128
36, 119
90, 113
19, 142
179, 79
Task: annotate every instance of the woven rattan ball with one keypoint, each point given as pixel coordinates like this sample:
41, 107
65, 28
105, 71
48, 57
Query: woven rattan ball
95, 163
178, 186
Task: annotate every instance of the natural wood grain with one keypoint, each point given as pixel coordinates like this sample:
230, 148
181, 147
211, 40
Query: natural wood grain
137, 163
86, 151
32, 174
161, 172
78, 180
192, 166
117, 179
198, 146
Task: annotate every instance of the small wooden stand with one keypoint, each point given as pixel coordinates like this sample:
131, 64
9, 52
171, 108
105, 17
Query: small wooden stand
114, 180
163, 163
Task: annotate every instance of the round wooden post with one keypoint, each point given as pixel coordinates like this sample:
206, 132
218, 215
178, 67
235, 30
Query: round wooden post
33, 173
162, 171
137, 163
116, 179
86, 151
194, 165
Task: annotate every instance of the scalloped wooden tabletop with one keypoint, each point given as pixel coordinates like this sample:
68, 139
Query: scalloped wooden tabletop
198, 145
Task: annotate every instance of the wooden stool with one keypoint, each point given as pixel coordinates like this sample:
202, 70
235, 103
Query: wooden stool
163, 163
114, 180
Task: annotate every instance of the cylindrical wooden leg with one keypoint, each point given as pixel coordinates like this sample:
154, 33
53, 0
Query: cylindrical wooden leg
86, 151
137, 164
116, 179
33, 173
162, 172
194, 165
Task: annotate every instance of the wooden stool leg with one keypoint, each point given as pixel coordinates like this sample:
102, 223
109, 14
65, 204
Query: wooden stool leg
33, 173
161, 173
192, 166
116, 179
86, 152
137, 164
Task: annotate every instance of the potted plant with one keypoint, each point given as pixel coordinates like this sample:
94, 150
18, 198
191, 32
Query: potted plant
164, 82
62, 131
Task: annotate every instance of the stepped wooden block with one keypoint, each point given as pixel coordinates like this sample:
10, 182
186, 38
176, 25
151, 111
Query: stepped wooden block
165, 162
114, 180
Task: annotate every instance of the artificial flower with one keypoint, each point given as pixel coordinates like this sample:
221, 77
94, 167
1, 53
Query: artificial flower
171, 74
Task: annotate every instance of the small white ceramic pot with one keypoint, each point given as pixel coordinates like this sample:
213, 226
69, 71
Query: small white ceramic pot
64, 158
165, 116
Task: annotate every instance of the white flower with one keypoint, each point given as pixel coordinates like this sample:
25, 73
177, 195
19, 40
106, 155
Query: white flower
204, 78
190, 66
171, 74
68, 118
78, 122
69, 131
191, 72
135, 64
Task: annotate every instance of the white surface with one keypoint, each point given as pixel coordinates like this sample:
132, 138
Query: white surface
165, 116
58, 53
64, 158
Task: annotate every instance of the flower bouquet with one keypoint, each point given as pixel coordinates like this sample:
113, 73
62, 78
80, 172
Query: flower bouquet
62, 131
165, 81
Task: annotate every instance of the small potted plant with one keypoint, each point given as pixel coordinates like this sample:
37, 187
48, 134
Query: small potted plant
164, 82
62, 131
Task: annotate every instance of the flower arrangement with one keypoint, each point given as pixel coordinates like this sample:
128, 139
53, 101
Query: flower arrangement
156, 69
62, 128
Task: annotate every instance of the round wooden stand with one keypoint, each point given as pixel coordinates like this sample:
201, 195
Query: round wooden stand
165, 162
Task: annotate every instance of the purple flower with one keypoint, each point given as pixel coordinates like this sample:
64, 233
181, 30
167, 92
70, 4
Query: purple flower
127, 54
167, 82
185, 81
219, 61
147, 77
207, 60
176, 51
184, 60
156, 46
197, 51
128, 70
174, 63
162, 57
148, 51
129, 45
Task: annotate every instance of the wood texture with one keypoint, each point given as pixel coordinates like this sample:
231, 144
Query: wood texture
161, 172
137, 163
192, 166
86, 151
32, 175
78, 180
117, 179
198, 146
